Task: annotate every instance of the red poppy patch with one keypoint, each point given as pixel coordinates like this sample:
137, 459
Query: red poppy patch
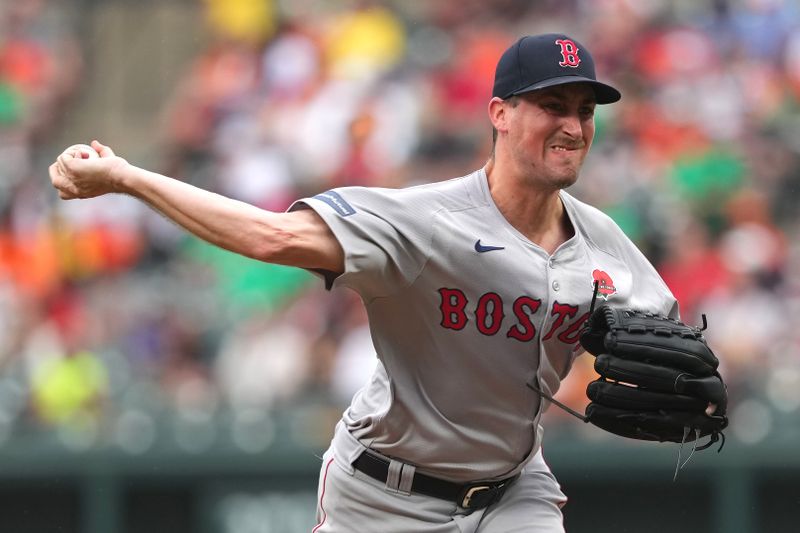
605, 285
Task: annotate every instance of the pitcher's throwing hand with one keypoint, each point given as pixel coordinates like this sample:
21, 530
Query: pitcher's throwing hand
86, 171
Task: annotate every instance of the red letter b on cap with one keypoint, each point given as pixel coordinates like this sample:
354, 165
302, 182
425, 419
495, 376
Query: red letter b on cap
569, 52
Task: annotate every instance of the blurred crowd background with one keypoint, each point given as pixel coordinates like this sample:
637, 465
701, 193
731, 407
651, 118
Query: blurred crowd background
117, 329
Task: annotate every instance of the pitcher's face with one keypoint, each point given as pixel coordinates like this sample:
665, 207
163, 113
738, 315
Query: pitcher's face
550, 132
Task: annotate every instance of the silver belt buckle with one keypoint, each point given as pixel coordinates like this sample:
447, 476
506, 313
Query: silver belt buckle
470, 493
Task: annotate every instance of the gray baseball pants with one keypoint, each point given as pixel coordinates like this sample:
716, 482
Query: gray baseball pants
349, 500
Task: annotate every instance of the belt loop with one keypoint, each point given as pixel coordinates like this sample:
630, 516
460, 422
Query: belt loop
406, 479
393, 476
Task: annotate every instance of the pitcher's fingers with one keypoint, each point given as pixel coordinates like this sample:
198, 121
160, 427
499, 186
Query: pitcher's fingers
66, 189
102, 149
61, 170
53, 171
57, 177
66, 156
67, 163
62, 183
62, 162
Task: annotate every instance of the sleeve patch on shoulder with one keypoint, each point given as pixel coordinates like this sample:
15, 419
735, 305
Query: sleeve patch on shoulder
335, 200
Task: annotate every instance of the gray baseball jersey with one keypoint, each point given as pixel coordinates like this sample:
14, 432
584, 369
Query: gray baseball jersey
465, 311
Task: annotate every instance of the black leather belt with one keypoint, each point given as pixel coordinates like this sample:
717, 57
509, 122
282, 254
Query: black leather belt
468, 496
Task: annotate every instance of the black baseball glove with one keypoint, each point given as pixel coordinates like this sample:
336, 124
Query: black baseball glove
658, 378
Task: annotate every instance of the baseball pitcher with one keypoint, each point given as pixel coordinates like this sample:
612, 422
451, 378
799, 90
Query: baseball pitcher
480, 292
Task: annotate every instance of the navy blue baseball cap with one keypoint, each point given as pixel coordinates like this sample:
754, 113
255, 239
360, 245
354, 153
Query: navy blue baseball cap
539, 61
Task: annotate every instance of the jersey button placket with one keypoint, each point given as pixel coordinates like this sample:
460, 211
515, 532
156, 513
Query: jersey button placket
552, 264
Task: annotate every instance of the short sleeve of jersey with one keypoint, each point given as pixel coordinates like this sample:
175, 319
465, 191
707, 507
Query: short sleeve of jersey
385, 234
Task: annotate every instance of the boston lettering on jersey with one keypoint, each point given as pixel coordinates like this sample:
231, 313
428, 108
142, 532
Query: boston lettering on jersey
490, 316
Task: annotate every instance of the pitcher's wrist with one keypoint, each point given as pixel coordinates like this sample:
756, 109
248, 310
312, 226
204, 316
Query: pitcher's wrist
123, 177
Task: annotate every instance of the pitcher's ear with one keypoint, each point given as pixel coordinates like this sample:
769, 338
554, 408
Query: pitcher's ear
498, 114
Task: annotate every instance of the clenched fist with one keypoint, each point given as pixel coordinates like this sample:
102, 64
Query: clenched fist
77, 177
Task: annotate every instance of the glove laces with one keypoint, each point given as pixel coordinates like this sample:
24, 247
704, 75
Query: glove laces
533, 384
678, 465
